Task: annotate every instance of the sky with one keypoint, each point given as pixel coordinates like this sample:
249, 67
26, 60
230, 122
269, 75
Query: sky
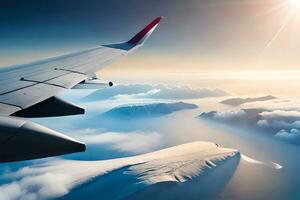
209, 37
244, 47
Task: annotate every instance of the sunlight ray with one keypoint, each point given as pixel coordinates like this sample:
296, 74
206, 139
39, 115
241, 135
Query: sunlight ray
280, 30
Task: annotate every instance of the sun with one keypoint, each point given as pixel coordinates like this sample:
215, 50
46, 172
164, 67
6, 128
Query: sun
294, 3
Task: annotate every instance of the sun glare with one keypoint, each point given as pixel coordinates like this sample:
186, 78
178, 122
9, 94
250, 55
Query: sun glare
294, 3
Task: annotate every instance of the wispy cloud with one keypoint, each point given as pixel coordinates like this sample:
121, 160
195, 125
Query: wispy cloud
153, 92
133, 142
258, 162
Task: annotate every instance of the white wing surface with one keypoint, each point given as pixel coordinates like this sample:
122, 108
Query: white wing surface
29, 90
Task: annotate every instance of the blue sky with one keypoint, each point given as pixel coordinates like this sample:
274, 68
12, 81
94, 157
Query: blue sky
195, 35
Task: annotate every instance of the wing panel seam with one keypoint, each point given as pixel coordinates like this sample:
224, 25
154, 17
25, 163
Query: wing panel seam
10, 104
44, 82
35, 83
69, 70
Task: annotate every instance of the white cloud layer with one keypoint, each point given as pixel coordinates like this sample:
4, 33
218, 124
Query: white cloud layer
280, 115
283, 124
57, 178
37, 186
153, 92
280, 119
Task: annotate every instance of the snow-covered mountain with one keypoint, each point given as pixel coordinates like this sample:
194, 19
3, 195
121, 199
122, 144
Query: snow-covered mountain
118, 178
148, 110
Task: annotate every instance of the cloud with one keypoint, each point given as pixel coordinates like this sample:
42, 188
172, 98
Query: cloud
138, 95
278, 124
240, 101
133, 142
38, 186
53, 179
279, 119
246, 118
121, 89
283, 124
56, 178
258, 162
184, 92
229, 115
153, 92
292, 135
285, 115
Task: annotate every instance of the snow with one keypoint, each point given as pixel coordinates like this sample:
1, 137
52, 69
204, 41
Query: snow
178, 164
147, 110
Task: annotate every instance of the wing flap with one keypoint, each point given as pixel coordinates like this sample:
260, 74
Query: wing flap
9, 87
6, 109
29, 96
68, 80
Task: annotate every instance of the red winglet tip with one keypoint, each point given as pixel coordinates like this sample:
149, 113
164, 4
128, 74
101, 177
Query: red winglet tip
139, 36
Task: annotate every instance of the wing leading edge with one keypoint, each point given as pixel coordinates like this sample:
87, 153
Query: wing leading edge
32, 87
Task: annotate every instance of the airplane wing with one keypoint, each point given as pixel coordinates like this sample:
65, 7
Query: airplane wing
29, 90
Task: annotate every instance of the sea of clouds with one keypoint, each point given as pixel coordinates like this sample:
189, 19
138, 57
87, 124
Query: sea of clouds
54, 177
282, 124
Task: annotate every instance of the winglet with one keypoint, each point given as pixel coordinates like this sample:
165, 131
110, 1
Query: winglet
141, 36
